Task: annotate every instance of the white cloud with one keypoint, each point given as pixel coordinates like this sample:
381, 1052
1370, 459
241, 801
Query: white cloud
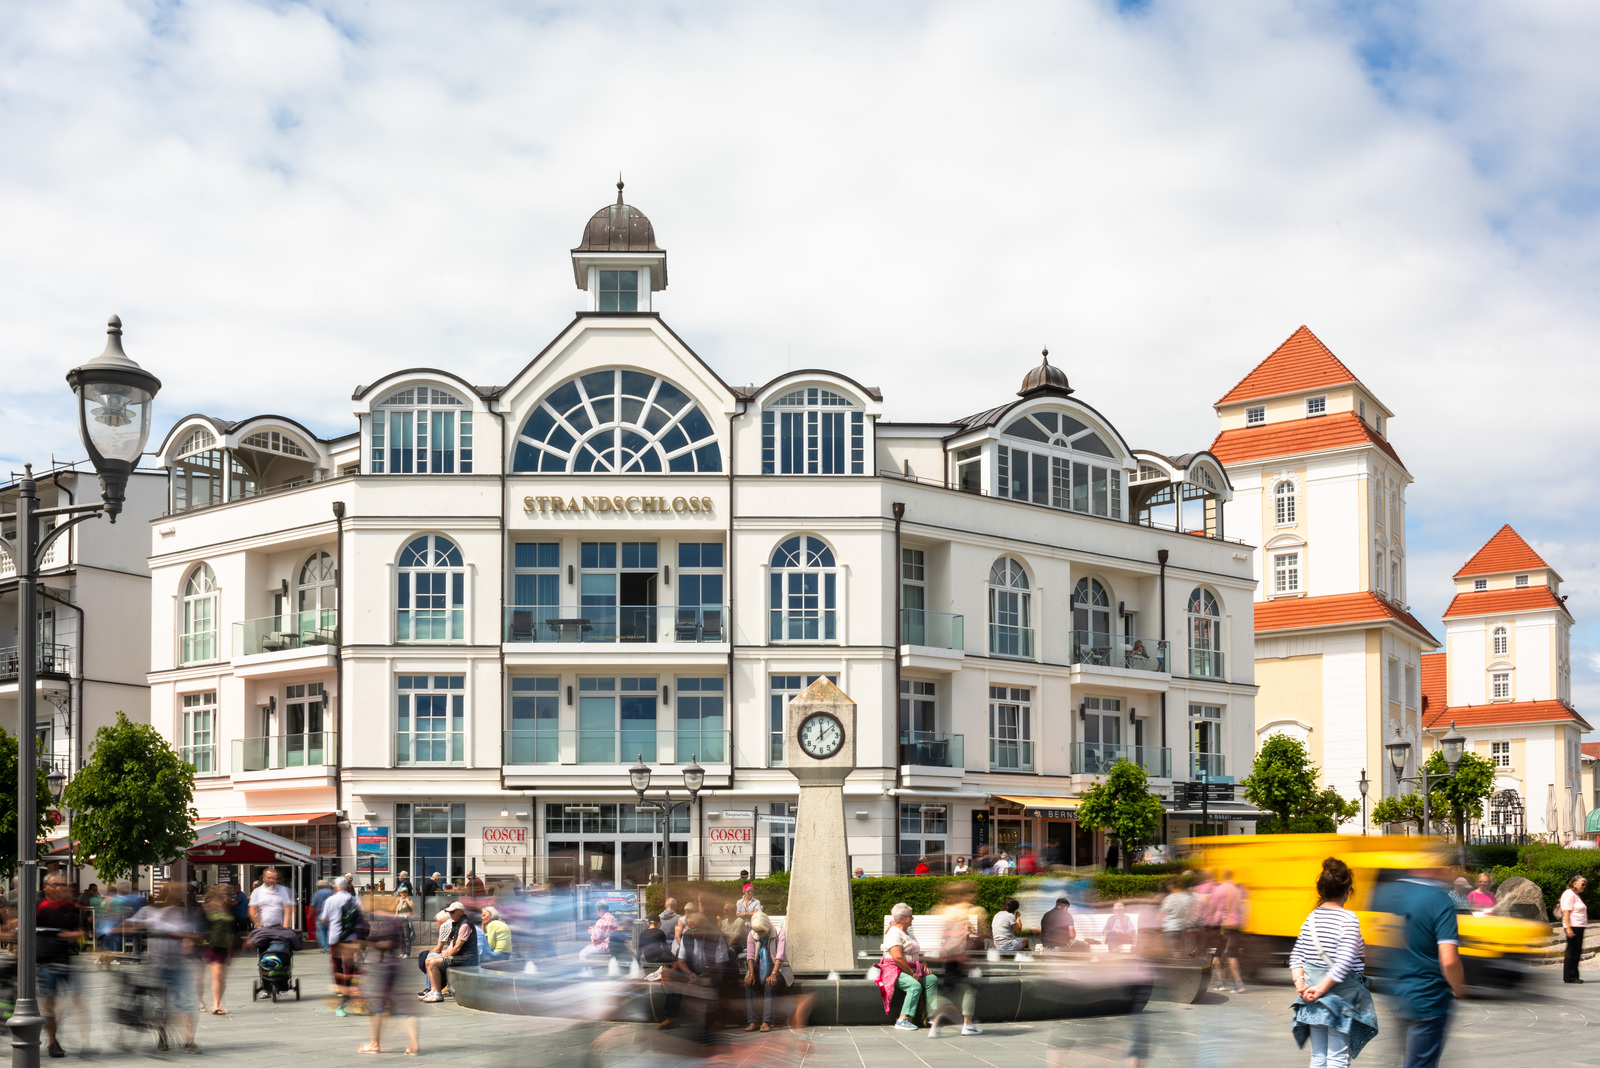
283, 200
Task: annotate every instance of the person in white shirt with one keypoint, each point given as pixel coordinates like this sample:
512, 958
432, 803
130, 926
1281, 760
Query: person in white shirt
1008, 928
270, 903
1574, 918
1003, 866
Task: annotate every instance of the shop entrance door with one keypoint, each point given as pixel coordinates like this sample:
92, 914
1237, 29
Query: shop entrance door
638, 862
600, 863
1058, 842
1007, 837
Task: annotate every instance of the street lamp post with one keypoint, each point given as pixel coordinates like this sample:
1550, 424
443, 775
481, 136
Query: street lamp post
1452, 745
1362, 786
114, 400
694, 778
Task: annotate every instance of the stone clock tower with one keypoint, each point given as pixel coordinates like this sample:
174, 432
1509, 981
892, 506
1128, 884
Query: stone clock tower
820, 750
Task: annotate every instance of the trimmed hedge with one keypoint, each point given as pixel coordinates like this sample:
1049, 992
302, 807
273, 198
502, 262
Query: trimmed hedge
1486, 857
1171, 867
1552, 878
871, 899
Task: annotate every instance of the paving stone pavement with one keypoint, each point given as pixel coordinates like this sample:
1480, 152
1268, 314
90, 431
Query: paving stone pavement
1550, 1021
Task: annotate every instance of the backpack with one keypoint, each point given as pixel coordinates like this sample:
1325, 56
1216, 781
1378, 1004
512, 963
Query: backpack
353, 923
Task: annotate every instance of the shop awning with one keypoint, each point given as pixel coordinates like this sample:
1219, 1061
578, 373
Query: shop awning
283, 819
1592, 824
253, 846
1043, 807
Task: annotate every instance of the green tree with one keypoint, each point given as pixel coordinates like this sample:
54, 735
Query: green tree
1405, 808
1123, 807
1282, 780
1461, 796
9, 806
133, 802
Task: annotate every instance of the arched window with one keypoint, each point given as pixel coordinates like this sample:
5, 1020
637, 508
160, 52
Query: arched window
1502, 642
430, 602
197, 474
805, 591
813, 431
1061, 468
1091, 622
617, 421
314, 590
421, 430
1205, 634
199, 642
1010, 610
1283, 497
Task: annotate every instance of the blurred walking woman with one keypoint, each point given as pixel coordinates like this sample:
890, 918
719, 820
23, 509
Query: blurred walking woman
1334, 1011
1574, 918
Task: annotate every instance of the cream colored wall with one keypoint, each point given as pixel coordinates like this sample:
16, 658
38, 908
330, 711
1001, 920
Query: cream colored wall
1293, 406
1508, 581
1291, 689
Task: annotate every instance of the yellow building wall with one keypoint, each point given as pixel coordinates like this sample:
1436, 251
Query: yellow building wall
1291, 689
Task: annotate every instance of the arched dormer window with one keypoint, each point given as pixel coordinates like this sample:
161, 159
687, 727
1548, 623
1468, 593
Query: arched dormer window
805, 591
1283, 503
1501, 639
813, 431
617, 421
199, 638
421, 430
1205, 634
1061, 463
1010, 610
197, 472
430, 601
1091, 622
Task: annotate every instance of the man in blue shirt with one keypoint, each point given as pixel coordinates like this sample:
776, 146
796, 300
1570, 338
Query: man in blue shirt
1424, 971
318, 899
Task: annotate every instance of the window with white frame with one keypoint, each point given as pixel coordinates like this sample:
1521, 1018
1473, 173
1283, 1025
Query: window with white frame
805, 592
1061, 467
813, 431
1286, 573
1010, 728
430, 719
1500, 753
923, 830
1316, 405
1500, 639
1479, 585
421, 430
199, 737
617, 421
1378, 570
781, 689
1283, 503
1010, 610
619, 291
196, 475
1522, 581
1361, 408
1500, 685
1255, 416
913, 597
314, 586
198, 642
1394, 576
430, 600
1205, 634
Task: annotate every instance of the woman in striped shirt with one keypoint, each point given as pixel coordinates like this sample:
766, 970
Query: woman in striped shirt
1335, 1011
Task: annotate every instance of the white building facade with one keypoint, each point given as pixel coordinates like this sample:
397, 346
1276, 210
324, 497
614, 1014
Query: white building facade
439, 643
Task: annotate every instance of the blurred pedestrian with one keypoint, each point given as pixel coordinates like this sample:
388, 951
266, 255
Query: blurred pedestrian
57, 927
654, 947
1424, 972
345, 919
669, 919
1119, 932
1483, 896
496, 935
902, 969
1460, 892
735, 928
402, 881
1003, 865
1008, 930
984, 861
385, 942
922, 867
697, 972
318, 899
1225, 905
1574, 918
766, 965
954, 914
171, 933
217, 949
599, 933
1027, 862
1335, 1012
1180, 916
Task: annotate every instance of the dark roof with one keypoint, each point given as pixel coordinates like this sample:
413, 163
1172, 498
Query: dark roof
1045, 378
871, 391
222, 426
618, 227
481, 391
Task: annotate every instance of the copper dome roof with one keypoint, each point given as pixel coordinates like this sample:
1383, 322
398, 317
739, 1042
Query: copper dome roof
1044, 379
618, 227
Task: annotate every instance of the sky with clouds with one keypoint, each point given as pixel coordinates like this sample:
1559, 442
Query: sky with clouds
283, 200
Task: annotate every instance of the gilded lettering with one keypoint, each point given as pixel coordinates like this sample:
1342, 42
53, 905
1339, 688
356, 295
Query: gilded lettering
616, 505
679, 504
630, 504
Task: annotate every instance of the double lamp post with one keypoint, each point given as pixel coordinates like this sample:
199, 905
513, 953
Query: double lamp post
694, 778
1451, 746
114, 399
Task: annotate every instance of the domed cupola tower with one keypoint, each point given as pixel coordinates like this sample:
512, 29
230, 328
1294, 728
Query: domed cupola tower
1044, 380
618, 262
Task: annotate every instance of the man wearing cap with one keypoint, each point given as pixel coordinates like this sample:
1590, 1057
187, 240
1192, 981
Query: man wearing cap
458, 946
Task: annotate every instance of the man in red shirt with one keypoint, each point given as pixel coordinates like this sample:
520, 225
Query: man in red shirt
58, 926
1225, 908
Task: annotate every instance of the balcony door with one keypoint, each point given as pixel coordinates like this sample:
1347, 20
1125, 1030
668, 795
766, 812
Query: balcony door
1102, 733
304, 740
617, 590
1091, 622
617, 720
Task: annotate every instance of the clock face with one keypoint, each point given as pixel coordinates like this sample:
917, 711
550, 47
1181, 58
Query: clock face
821, 735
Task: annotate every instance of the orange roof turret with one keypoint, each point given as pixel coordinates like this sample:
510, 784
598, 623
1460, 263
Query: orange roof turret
1506, 551
1301, 363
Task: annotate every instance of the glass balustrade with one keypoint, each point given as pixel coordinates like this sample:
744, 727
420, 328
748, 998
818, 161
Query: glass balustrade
616, 747
280, 751
932, 749
615, 623
203, 757
934, 630
1206, 663
1210, 765
1091, 758
1120, 650
1006, 640
292, 630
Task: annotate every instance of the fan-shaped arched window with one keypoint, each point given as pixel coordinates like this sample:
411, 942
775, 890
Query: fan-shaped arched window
430, 603
813, 431
199, 639
617, 421
1060, 468
197, 472
1283, 502
1010, 610
1205, 634
314, 588
1502, 642
1091, 622
421, 430
805, 591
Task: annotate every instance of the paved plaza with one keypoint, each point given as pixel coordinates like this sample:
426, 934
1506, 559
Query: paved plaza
1248, 1029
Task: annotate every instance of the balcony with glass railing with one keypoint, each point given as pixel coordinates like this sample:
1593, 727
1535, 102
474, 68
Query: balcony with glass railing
1120, 651
1207, 767
291, 630
1206, 663
933, 630
203, 757
1009, 754
579, 624
52, 659
1006, 640
524, 746
932, 749
311, 750
1094, 758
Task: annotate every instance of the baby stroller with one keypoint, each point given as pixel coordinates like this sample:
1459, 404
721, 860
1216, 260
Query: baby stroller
137, 1004
276, 968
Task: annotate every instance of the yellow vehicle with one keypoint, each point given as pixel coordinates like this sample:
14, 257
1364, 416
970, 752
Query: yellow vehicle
1280, 872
